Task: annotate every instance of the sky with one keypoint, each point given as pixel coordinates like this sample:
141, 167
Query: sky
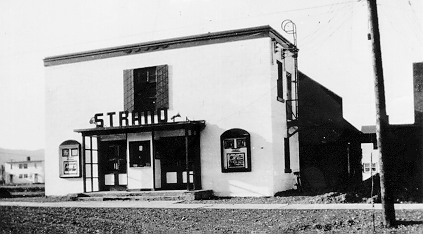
331, 37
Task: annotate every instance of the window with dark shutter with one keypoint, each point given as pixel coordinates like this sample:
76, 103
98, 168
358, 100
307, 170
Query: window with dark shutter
162, 88
289, 107
279, 83
128, 86
288, 86
287, 156
146, 89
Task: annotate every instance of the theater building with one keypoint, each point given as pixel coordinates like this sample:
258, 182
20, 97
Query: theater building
215, 111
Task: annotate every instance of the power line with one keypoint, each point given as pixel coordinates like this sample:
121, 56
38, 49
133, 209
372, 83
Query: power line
411, 19
399, 32
330, 11
415, 22
176, 28
322, 31
324, 40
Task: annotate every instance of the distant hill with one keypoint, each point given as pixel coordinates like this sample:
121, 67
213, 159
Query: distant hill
7, 155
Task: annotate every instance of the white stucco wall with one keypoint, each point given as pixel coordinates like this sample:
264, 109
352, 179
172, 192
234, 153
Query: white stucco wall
230, 85
283, 181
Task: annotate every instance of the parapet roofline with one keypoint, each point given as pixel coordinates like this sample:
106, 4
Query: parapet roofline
180, 42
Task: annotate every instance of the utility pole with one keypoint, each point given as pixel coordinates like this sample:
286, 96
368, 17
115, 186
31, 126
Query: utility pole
381, 119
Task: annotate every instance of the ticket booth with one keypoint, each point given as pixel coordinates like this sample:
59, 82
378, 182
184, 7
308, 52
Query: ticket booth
235, 151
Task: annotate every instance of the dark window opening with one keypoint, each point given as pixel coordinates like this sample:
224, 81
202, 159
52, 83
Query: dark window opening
289, 111
146, 89
139, 154
287, 156
373, 166
366, 167
280, 82
288, 86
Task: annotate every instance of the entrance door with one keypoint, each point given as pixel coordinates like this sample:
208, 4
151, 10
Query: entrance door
171, 151
113, 165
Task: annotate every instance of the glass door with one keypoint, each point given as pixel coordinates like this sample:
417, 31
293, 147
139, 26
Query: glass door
113, 165
91, 179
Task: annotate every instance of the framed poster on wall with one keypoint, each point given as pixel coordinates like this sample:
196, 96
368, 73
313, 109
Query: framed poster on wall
235, 151
236, 160
70, 168
70, 159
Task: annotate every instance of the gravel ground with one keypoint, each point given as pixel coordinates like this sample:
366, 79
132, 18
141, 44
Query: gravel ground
118, 220
325, 198
133, 220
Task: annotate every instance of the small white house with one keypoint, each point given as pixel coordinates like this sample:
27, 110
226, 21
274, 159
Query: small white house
215, 111
370, 160
24, 172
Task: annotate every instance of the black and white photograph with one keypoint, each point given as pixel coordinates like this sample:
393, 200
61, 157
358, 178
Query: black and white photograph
274, 116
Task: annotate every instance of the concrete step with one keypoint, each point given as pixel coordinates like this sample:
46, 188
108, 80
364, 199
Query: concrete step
134, 198
144, 195
132, 194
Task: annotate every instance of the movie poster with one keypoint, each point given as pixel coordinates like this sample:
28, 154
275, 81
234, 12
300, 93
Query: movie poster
70, 168
236, 160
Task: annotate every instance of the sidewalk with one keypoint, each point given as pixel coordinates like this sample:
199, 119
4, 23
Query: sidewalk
180, 205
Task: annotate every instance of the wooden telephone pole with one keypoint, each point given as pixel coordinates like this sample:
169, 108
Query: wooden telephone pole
381, 119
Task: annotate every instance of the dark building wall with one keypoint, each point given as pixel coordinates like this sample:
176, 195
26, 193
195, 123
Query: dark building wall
405, 146
328, 142
418, 122
418, 93
405, 159
320, 108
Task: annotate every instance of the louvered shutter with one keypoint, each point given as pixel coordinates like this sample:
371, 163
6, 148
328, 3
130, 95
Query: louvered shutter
128, 90
289, 101
162, 87
279, 82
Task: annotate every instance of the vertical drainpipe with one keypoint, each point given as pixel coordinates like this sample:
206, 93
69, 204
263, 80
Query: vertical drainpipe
187, 158
153, 162
194, 161
197, 157
91, 162
127, 156
297, 106
83, 164
349, 160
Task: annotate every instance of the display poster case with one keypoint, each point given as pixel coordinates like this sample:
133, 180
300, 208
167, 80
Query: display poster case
235, 151
70, 159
